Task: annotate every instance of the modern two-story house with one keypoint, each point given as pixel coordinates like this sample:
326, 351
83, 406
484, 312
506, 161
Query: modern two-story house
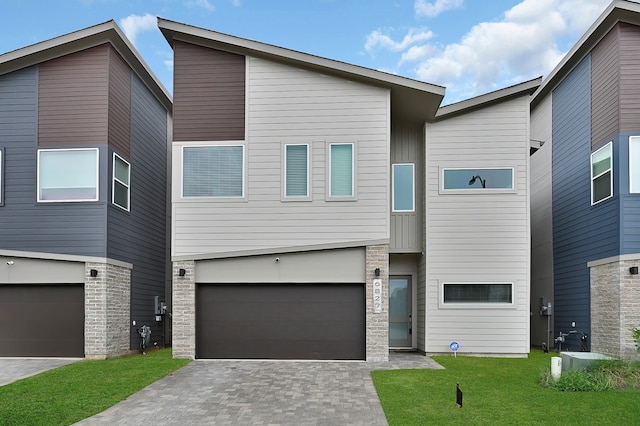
586, 190
84, 127
322, 210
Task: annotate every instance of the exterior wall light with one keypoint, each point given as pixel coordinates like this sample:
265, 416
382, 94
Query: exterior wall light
633, 270
377, 272
182, 272
93, 273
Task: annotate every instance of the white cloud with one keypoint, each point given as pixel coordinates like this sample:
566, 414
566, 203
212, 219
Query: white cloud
523, 44
378, 39
205, 4
132, 25
434, 8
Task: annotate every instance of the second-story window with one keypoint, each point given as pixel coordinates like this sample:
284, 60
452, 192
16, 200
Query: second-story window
296, 171
213, 171
403, 188
341, 170
121, 175
602, 174
67, 175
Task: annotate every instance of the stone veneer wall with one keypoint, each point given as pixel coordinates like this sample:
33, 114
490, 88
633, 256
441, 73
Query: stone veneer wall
615, 307
107, 310
183, 311
377, 324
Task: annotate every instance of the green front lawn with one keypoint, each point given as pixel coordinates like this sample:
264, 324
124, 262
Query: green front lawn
76, 391
497, 391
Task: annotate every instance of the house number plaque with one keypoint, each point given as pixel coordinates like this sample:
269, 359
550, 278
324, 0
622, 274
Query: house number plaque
377, 296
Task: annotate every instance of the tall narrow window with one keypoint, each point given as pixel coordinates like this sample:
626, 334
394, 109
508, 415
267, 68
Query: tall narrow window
213, 171
403, 188
121, 174
67, 175
602, 174
296, 181
1, 180
634, 164
341, 170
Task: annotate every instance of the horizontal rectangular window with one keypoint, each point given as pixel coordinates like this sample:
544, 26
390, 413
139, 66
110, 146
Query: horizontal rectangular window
121, 174
602, 174
67, 175
213, 171
403, 187
477, 179
296, 164
477, 293
341, 176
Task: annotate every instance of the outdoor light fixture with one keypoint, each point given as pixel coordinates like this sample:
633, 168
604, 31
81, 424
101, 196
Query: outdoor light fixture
377, 272
182, 272
477, 177
633, 270
93, 273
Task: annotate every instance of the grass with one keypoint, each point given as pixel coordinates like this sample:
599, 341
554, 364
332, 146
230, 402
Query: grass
76, 391
497, 391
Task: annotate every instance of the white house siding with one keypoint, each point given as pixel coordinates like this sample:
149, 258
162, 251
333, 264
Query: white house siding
479, 237
541, 223
290, 105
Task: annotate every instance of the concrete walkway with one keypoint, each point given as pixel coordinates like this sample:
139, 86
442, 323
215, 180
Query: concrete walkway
13, 369
210, 392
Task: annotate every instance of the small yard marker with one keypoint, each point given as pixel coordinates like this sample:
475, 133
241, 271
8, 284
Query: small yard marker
458, 396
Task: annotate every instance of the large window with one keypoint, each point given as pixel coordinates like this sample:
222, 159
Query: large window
634, 164
602, 174
67, 175
121, 174
403, 182
213, 171
296, 171
483, 179
477, 293
341, 170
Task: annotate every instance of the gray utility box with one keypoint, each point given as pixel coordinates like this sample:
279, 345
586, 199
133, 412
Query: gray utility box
580, 360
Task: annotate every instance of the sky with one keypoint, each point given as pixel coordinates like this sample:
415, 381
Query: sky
471, 47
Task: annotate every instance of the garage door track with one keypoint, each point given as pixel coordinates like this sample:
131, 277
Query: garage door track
261, 393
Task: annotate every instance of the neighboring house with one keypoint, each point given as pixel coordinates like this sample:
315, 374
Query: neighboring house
84, 130
586, 190
327, 211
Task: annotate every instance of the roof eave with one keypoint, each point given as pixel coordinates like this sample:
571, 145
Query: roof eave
410, 99
482, 101
617, 11
107, 32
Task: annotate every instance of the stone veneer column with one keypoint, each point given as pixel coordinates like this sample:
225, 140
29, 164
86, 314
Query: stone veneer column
107, 310
183, 311
377, 328
615, 308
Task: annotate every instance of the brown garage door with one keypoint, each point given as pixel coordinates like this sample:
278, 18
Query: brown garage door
42, 320
276, 321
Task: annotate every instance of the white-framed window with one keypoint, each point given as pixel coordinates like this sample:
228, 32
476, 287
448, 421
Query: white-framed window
464, 180
296, 171
121, 193
634, 164
476, 294
215, 171
341, 171
68, 175
602, 174
403, 187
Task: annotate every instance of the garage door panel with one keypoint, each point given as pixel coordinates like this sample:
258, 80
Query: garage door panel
44, 320
319, 321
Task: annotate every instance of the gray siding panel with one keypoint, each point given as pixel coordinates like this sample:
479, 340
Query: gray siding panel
605, 88
139, 236
119, 104
581, 232
407, 146
66, 228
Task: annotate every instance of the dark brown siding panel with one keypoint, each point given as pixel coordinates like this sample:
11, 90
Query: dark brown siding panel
629, 78
72, 99
119, 104
209, 94
605, 86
